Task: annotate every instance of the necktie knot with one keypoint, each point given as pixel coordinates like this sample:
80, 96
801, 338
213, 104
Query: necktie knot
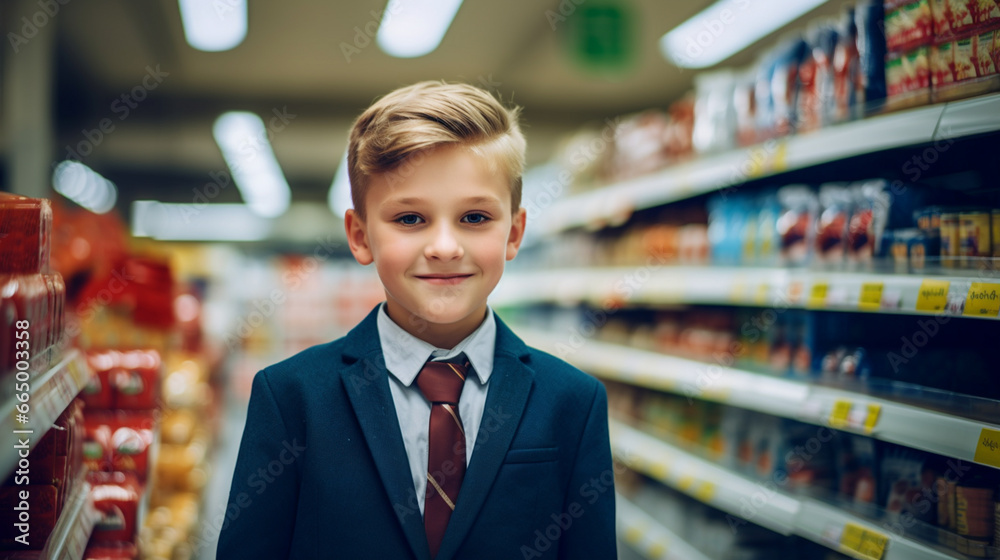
441, 382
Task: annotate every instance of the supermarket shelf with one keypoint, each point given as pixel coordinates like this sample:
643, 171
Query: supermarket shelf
929, 430
761, 287
760, 503
51, 393
69, 537
612, 203
646, 535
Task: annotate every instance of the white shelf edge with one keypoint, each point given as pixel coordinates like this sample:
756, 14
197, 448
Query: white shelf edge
911, 426
742, 286
51, 392
646, 535
71, 533
711, 172
731, 492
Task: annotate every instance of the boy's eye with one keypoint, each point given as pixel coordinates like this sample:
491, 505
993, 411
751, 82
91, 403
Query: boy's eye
476, 218
409, 220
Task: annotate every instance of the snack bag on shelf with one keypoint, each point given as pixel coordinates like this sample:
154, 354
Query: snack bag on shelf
872, 202
745, 108
816, 78
796, 224
714, 118
857, 469
870, 18
906, 478
785, 85
831, 228
847, 83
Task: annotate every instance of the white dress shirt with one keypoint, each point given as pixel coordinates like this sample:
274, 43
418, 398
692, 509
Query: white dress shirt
405, 356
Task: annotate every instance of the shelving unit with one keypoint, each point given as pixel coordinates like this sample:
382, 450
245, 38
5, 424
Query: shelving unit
762, 504
51, 393
69, 537
920, 428
644, 534
609, 204
759, 287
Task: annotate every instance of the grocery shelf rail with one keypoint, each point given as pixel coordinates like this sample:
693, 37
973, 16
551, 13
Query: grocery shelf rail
646, 535
904, 424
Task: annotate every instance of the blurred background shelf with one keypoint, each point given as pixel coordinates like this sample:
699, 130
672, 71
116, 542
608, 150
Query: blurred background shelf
614, 203
51, 393
644, 534
930, 430
762, 504
750, 286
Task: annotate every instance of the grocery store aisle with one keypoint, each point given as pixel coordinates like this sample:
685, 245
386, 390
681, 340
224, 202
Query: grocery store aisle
226, 450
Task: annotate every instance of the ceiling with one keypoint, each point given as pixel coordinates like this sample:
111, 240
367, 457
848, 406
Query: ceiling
293, 62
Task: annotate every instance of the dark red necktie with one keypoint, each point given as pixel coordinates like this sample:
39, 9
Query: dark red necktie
441, 383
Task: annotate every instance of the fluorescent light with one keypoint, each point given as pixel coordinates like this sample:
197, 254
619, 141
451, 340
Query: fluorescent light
214, 25
197, 222
412, 28
84, 186
339, 197
727, 27
243, 140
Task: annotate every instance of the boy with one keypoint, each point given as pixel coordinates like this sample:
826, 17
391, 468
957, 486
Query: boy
430, 431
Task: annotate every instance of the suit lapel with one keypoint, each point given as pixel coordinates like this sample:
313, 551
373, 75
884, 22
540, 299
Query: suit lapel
510, 385
367, 383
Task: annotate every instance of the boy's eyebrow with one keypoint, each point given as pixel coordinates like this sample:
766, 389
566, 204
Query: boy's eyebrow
470, 200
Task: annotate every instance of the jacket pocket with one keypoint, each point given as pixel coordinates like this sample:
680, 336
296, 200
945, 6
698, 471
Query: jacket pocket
532, 455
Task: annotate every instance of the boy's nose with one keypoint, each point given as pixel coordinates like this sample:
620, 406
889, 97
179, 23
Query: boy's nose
444, 245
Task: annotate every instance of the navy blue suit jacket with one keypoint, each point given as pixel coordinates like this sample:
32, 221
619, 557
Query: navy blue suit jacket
323, 473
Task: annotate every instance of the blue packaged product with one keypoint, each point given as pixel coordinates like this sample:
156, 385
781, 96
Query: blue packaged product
870, 18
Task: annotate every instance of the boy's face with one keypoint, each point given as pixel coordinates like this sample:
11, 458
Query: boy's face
439, 229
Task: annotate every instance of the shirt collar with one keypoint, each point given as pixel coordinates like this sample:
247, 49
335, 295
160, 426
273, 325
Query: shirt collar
406, 354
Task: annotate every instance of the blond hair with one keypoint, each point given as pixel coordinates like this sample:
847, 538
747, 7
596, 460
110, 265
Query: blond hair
425, 115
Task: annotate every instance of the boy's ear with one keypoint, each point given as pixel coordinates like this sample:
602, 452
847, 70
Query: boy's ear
357, 237
516, 235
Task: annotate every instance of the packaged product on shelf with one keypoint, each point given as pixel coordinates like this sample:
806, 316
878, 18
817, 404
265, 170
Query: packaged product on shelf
908, 24
906, 478
677, 139
745, 107
831, 228
816, 78
733, 432
116, 497
966, 65
764, 96
951, 240
857, 469
848, 86
995, 236
908, 78
870, 18
957, 17
974, 235
804, 456
111, 551
868, 220
785, 85
767, 242
714, 119
638, 145
25, 234
795, 225
974, 514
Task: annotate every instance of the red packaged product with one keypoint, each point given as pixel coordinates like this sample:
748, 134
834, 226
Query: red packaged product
908, 78
966, 66
955, 18
130, 443
116, 496
136, 380
111, 551
25, 234
98, 393
848, 86
30, 300
908, 25
97, 443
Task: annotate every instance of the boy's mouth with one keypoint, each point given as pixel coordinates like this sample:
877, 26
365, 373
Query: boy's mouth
444, 279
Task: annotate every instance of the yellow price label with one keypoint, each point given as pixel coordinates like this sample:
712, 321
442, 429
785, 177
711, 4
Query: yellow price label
868, 544
658, 471
633, 535
818, 294
757, 159
761, 297
685, 483
739, 292
657, 550
871, 296
933, 295
840, 413
988, 448
781, 156
874, 411
705, 492
983, 300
